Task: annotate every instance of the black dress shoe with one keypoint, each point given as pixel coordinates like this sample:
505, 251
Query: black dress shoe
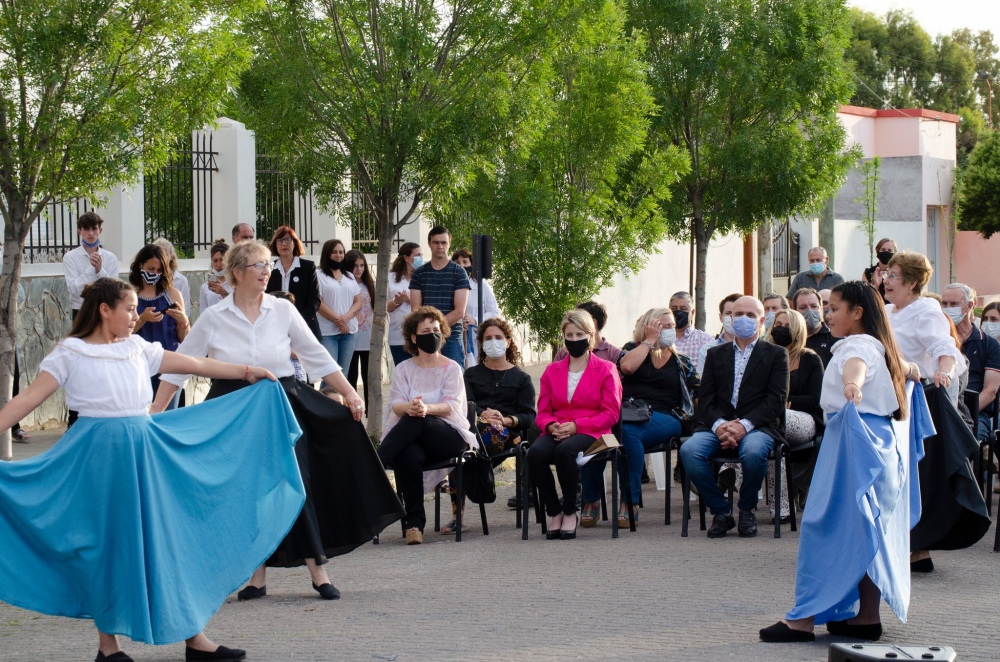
872, 632
327, 591
114, 657
251, 592
780, 633
923, 565
748, 524
720, 525
220, 654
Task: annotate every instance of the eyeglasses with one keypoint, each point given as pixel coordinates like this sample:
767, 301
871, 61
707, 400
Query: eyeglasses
259, 265
284, 240
890, 276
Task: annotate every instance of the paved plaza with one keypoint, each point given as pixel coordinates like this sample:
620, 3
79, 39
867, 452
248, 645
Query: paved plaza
650, 595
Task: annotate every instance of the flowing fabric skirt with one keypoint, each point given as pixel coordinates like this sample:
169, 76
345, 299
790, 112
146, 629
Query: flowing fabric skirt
145, 524
349, 498
954, 511
863, 501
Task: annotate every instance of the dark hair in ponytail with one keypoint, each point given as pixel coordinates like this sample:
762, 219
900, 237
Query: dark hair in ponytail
399, 264
857, 294
103, 290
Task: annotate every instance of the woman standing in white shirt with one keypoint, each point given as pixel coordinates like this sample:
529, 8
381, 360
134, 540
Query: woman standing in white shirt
143, 524
349, 498
410, 257
341, 297
215, 288
863, 499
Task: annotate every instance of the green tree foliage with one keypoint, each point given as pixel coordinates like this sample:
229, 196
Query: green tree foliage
575, 199
750, 91
977, 190
405, 97
91, 92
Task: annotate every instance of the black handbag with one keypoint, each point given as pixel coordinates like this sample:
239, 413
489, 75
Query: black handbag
479, 483
635, 411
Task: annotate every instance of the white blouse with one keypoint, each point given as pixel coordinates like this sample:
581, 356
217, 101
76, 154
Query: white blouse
338, 295
182, 285
878, 394
397, 316
490, 307
924, 336
105, 381
207, 298
223, 332
443, 384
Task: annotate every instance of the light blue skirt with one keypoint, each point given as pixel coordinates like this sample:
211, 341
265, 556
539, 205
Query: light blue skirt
863, 501
146, 524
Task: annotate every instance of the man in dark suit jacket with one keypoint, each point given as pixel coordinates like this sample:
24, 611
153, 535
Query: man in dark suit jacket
741, 406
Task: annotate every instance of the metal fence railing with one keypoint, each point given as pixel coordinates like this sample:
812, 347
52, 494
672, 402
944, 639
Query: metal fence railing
364, 222
784, 250
178, 197
53, 234
280, 203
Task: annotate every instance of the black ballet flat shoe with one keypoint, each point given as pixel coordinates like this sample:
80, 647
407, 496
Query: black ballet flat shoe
114, 657
923, 565
220, 654
327, 591
251, 593
871, 632
780, 633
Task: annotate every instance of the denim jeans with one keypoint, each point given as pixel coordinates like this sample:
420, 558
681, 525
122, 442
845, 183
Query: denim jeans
399, 354
635, 438
341, 348
453, 349
985, 426
702, 446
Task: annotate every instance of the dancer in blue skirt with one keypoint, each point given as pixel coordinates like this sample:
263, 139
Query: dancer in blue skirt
865, 497
143, 524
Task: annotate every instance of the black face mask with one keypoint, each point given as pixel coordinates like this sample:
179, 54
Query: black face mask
884, 256
781, 335
468, 270
681, 319
429, 342
337, 265
577, 348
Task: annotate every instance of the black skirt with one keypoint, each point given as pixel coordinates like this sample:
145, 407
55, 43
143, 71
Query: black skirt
349, 498
952, 509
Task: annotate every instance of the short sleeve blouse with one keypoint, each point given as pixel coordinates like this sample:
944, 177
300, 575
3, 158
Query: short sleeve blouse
878, 394
105, 381
397, 316
338, 295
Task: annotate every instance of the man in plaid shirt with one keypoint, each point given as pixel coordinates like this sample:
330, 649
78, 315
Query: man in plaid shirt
689, 339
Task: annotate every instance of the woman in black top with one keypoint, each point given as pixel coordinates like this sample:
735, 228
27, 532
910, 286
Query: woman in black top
803, 416
293, 274
884, 250
654, 373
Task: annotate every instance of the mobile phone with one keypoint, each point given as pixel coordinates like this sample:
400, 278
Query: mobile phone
173, 305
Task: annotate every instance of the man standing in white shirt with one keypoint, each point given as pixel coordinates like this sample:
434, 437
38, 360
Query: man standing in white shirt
85, 264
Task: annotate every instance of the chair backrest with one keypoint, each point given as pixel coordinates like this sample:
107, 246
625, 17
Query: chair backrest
971, 399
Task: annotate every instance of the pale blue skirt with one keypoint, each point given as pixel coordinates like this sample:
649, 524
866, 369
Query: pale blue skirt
146, 524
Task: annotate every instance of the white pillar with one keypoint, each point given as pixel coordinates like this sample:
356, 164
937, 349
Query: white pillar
124, 223
233, 192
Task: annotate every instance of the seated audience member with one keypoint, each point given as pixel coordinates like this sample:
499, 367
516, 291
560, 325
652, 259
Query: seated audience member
982, 351
427, 418
989, 321
807, 301
741, 406
773, 304
726, 335
579, 400
604, 349
689, 339
824, 297
655, 374
803, 415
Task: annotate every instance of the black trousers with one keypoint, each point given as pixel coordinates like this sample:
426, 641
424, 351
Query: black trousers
547, 451
352, 372
410, 445
73, 415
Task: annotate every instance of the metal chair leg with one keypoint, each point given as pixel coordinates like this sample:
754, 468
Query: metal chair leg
460, 497
669, 478
437, 508
686, 499
791, 492
777, 493
614, 494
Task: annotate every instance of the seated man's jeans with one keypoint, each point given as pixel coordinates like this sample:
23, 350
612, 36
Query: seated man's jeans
753, 449
985, 426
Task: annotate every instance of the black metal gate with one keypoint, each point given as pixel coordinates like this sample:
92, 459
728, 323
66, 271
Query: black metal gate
178, 197
364, 222
784, 250
280, 203
53, 234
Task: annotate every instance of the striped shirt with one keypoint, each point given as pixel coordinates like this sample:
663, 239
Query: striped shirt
437, 287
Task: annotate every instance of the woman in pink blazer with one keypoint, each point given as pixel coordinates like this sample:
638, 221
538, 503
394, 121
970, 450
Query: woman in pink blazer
579, 400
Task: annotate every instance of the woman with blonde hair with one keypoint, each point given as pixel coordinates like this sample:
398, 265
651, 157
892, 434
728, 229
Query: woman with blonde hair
580, 399
656, 377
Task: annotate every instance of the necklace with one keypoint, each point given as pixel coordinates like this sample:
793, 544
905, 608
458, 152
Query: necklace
498, 382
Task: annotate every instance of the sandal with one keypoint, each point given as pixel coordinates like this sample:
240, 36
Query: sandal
589, 513
623, 514
450, 528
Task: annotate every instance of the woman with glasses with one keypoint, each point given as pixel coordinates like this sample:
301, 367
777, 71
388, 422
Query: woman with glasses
294, 274
348, 497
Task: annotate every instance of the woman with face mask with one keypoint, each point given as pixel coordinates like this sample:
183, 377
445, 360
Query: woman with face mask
884, 250
162, 317
426, 421
579, 400
803, 416
410, 257
989, 322
652, 372
215, 288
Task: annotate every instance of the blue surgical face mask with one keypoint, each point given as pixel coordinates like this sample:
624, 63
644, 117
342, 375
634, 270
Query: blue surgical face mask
955, 314
816, 268
744, 327
769, 319
418, 261
97, 242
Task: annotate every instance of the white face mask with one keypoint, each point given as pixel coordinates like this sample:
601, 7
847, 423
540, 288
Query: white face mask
495, 349
667, 337
991, 329
955, 314
218, 273
727, 325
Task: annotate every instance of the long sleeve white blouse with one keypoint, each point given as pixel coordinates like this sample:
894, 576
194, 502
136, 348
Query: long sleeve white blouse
923, 335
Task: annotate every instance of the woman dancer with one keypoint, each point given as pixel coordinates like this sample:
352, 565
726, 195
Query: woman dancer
864, 497
349, 498
123, 521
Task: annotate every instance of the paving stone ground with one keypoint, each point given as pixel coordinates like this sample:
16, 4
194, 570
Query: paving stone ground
650, 595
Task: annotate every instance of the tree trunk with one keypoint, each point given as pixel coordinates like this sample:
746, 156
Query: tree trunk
702, 237
10, 277
379, 321
765, 262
